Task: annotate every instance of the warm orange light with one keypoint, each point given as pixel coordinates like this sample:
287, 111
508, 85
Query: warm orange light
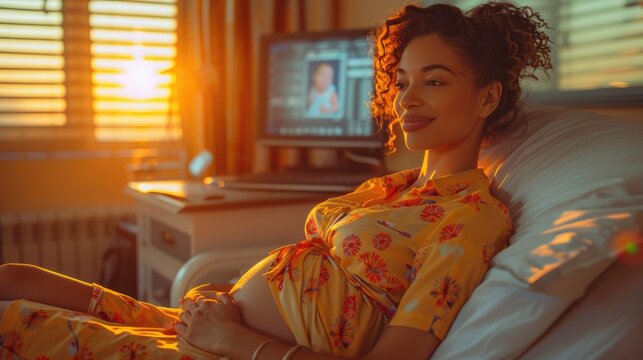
569, 216
618, 84
138, 80
133, 50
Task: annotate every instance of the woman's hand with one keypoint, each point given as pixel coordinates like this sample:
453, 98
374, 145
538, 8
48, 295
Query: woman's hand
207, 290
207, 322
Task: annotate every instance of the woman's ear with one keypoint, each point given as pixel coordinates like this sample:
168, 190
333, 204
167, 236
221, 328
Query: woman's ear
491, 95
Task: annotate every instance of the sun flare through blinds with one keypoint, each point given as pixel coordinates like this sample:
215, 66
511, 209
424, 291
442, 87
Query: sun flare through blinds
597, 43
32, 77
133, 47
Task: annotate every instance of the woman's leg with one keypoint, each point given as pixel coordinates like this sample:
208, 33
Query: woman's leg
23, 281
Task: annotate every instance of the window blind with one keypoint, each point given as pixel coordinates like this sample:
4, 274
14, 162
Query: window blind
32, 78
133, 46
601, 44
89, 71
598, 44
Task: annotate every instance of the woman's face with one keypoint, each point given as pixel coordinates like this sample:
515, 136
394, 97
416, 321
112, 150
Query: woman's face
437, 102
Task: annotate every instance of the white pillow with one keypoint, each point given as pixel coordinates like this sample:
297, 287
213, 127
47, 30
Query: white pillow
610, 316
571, 183
500, 320
572, 180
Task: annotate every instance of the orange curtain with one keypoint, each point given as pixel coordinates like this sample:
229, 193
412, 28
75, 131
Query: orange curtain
199, 69
217, 69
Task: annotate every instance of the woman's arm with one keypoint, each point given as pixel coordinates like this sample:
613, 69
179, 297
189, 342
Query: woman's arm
25, 281
214, 325
397, 342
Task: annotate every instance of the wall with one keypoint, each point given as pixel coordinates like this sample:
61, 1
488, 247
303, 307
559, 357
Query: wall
32, 185
57, 178
357, 14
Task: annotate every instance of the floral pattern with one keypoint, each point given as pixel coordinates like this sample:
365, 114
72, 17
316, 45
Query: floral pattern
351, 245
431, 213
11, 345
382, 240
350, 306
289, 273
112, 316
450, 231
474, 200
34, 319
407, 202
375, 266
133, 351
387, 311
393, 283
311, 228
455, 188
308, 292
389, 186
342, 333
324, 275
446, 291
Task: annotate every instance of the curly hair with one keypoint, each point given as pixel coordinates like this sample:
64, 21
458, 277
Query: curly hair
499, 41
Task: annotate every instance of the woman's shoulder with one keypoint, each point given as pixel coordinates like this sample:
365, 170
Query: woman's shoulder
471, 192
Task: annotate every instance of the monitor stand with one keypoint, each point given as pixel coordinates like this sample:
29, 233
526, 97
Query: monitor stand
333, 160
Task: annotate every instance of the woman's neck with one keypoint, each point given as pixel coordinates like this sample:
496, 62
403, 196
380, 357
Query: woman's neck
438, 163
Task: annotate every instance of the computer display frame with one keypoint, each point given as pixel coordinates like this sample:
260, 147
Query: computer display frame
375, 140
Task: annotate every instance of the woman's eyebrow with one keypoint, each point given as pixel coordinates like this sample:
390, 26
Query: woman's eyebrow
428, 68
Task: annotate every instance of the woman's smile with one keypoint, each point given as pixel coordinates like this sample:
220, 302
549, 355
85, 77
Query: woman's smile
412, 123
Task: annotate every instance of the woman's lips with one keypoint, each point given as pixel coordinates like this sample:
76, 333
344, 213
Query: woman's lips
412, 123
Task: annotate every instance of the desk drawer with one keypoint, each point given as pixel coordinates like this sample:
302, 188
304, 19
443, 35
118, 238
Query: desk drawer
160, 289
169, 240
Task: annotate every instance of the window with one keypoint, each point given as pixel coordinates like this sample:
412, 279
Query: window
133, 51
32, 78
88, 72
597, 51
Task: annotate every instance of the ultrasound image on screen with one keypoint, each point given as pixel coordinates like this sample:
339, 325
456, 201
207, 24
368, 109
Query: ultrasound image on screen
319, 88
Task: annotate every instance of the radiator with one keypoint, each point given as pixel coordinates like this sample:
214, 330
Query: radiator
71, 242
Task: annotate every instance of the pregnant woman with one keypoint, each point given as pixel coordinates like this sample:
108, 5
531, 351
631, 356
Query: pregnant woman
382, 271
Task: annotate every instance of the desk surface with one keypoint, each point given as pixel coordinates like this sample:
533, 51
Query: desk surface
181, 196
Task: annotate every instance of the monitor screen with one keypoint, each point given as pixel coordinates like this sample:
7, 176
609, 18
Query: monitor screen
314, 90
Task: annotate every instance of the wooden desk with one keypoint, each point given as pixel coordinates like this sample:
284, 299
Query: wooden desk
174, 228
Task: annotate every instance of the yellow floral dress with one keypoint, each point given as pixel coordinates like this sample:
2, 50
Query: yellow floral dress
366, 262
369, 261
114, 327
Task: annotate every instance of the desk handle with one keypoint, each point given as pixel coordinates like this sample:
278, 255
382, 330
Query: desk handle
168, 238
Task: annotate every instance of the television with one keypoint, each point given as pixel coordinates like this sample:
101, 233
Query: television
314, 89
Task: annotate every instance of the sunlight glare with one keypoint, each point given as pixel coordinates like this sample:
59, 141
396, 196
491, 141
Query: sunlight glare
138, 80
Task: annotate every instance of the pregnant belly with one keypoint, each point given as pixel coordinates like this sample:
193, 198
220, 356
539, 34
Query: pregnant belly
257, 305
